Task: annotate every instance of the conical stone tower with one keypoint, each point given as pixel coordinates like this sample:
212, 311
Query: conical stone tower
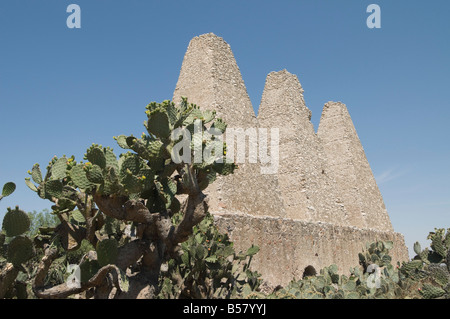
210, 78
348, 165
307, 191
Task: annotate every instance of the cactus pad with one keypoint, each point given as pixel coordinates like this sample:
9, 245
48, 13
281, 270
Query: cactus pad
78, 175
16, 222
78, 216
129, 162
220, 125
8, 189
107, 251
417, 248
88, 268
131, 183
111, 159
96, 155
20, 250
54, 188
122, 141
440, 274
30, 184
36, 174
438, 247
59, 168
95, 174
430, 292
158, 123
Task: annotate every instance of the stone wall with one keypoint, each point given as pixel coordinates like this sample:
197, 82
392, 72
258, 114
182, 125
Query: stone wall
288, 246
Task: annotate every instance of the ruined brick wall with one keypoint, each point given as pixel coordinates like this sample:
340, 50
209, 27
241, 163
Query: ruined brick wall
288, 246
322, 205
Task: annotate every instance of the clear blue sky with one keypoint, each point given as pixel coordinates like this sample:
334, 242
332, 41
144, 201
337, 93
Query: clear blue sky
62, 89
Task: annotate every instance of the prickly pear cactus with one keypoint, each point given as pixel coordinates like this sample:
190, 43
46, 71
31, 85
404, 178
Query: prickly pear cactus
430, 267
147, 172
56, 185
124, 204
375, 278
209, 267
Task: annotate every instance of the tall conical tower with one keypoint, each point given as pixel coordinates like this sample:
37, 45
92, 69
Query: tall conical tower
210, 78
348, 165
307, 191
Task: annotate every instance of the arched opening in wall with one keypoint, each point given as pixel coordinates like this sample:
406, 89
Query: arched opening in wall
309, 271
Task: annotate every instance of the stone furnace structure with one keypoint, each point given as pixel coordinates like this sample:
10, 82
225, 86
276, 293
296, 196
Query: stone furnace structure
321, 206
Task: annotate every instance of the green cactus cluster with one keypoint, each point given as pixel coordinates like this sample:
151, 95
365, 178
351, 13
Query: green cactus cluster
150, 173
376, 253
430, 268
56, 185
375, 278
146, 171
426, 276
209, 267
440, 245
324, 285
430, 291
157, 149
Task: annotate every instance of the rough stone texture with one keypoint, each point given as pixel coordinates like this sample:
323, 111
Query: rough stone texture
348, 165
322, 206
288, 246
210, 78
308, 192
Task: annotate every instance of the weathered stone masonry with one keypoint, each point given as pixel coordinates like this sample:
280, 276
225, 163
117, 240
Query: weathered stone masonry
322, 206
